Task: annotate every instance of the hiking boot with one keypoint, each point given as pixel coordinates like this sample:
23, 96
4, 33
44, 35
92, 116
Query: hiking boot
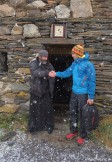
80, 141
70, 136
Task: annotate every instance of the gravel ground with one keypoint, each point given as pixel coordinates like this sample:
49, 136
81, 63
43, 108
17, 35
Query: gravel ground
42, 147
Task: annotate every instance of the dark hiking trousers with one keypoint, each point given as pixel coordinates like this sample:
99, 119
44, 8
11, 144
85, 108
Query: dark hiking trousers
40, 113
77, 101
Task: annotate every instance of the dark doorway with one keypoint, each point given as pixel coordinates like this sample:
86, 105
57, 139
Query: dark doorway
3, 62
62, 88
61, 59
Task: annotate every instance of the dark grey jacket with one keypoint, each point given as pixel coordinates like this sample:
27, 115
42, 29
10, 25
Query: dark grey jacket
38, 72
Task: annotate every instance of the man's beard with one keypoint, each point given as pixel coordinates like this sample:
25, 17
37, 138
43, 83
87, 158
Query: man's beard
43, 61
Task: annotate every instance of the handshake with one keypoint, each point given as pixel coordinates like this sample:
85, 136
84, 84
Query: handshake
52, 74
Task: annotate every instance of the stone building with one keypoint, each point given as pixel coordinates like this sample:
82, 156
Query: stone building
55, 25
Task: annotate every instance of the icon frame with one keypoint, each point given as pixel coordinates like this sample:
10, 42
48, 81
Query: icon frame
58, 31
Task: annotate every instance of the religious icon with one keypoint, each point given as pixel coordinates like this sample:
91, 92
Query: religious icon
58, 30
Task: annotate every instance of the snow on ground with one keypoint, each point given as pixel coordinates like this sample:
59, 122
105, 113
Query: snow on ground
41, 147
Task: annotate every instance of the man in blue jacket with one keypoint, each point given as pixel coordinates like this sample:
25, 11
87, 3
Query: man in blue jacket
83, 89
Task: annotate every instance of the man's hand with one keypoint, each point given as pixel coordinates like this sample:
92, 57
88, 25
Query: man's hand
90, 102
52, 74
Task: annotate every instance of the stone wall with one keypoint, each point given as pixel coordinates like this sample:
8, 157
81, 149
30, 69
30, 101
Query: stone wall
25, 25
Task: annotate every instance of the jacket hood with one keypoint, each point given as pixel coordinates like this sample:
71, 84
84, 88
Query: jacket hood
87, 56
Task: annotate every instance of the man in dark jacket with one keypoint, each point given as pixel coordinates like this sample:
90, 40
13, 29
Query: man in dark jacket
41, 91
83, 90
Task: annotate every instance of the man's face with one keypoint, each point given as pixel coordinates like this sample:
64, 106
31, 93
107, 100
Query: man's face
43, 59
74, 55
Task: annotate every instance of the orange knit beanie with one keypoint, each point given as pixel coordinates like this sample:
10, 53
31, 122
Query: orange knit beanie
78, 50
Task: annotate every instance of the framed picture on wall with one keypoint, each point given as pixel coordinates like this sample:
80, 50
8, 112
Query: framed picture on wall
58, 31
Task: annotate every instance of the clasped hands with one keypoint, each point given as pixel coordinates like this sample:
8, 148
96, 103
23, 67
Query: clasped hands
52, 74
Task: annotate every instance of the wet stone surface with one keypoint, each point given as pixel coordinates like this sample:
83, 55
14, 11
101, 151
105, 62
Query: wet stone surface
42, 147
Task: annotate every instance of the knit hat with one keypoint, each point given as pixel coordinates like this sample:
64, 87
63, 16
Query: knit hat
43, 53
78, 50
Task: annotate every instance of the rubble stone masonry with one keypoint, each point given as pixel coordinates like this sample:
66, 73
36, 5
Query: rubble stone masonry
26, 26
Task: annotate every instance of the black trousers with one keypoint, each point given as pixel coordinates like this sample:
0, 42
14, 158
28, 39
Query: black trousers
77, 101
40, 113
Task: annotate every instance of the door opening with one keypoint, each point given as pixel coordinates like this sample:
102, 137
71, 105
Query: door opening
59, 56
62, 89
3, 62
61, 59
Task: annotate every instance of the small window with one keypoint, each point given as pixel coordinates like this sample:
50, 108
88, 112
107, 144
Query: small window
3, 62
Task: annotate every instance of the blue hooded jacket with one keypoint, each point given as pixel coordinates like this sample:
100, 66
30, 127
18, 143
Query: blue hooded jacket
83, 75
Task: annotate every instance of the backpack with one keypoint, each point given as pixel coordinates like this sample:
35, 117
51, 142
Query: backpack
90, 117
